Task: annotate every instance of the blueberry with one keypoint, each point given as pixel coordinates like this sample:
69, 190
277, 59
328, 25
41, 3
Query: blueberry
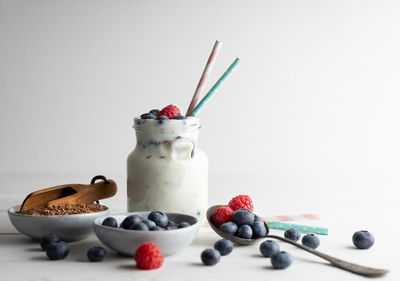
210, 256
224, 247
281, 260
96, 254
159, 218
47, 239
245, 232
148, 116
150, 224
292, 234
229, 227
179, 117
311, 241
259, 229
268, 248
243, 216
161, 118
57, 250
258, 219
183, 224
141, 226
154, 112
110, 221
157, 228
363, 239
130, 221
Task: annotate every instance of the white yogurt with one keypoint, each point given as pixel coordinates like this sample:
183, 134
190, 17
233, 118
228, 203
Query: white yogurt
167, 171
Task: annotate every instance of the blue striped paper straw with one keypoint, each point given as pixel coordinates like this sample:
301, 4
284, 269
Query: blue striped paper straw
299, 227
215, 88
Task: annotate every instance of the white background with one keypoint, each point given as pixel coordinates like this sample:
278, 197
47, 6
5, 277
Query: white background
309, 122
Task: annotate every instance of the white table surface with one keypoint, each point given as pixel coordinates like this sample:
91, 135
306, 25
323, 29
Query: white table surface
22, 259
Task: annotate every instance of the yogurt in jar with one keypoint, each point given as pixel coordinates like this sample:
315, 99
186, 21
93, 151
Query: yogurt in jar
167, 171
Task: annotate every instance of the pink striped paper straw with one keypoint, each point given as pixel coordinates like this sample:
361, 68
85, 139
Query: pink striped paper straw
206, 72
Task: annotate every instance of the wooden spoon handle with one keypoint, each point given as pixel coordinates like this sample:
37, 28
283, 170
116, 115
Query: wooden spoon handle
352, 267
87, 194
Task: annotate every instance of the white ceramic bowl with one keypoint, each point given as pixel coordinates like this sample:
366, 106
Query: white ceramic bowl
127, 241
67, 227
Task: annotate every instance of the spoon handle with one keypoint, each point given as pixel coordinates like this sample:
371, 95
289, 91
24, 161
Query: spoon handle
352, 267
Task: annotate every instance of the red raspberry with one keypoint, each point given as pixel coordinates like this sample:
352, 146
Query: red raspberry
148, 256
222, 215
241, 202
170, 111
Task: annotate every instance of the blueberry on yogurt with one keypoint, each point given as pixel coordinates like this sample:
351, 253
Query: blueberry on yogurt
179, 117
148, 116
154, 111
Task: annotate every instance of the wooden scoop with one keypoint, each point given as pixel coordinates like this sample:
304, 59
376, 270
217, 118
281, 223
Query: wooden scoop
71, 194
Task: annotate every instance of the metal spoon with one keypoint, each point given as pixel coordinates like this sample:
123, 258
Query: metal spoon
352, 267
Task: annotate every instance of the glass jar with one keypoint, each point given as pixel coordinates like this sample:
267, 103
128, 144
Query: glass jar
166, 170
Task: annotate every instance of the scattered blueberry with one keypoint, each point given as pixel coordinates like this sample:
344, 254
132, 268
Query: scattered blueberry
245, 232
268, 248
159, 218
154, 111
157, 228
281, 260
363, 239
243, 216
292, 234
96, 254
179, 117
210, 256
130, 221
224, 246
141, 226
259, 229
183, 224
150, 224
47, 239
148, 116
311, 241
57, 250
229, 227
110, 221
